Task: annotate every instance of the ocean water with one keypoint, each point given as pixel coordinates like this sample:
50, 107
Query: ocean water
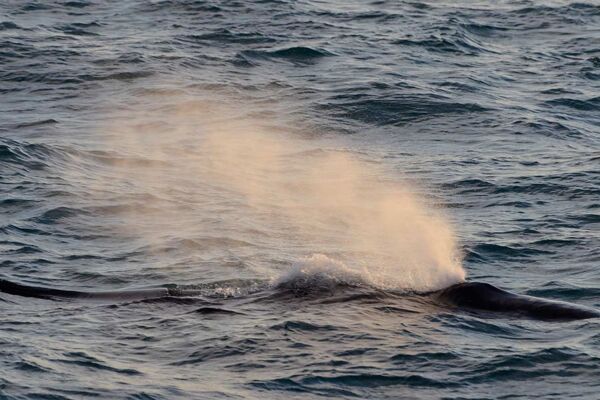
312, 167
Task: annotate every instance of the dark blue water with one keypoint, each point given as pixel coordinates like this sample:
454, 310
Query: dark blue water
492, 107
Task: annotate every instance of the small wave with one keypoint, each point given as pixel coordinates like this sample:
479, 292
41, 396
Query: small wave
591, 75
547, 128
584, 219
496, 252
529, 186
92, 279
31, 366
376, 380
227, 36
468, 185
215, 310
483, 29
15, 248
173, 6
571, 10
15, 205
293, 385
346, 384
516, 204
7, 25
362, 16
463, 46
398, 110
424, 357
31, 156
85, 360
554, 242
37, 123
301, 326
50, 78
119, 76
34, 6
561, 291
298, 55
54, 215
535, 188
540, 363
79, 29
458, 86
114, 159
456, 36
592, 104
24, 230
77, 4
196, 245
212, 350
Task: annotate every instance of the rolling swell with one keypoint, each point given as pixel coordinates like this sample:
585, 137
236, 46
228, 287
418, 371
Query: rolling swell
491, 107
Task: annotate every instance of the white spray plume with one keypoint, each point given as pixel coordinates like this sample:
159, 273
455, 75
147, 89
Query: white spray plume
229, 176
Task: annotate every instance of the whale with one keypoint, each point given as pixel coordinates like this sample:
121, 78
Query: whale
481, 296
473, 296
39, 292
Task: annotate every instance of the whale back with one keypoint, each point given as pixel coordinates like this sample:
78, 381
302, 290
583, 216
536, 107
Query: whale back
48, 293
470, 295
486, 297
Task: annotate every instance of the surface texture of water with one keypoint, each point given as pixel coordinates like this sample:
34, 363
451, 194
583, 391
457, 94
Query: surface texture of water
493, 107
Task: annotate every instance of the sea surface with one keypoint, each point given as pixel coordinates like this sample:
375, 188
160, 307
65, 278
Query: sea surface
486, 112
